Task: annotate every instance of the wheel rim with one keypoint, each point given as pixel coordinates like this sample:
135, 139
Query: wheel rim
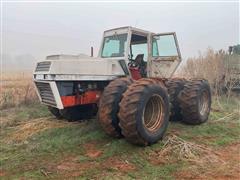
203, 103
153, 114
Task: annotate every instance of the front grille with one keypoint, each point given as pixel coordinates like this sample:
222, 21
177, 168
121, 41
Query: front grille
46, 93
43, 66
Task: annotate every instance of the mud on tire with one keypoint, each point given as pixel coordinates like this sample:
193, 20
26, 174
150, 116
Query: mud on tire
144, 112
109, 106
195, 101
174, 87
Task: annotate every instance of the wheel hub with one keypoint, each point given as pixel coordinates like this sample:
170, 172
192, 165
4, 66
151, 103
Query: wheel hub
153, 113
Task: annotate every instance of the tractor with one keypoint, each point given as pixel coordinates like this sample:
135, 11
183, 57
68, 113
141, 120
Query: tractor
129, 86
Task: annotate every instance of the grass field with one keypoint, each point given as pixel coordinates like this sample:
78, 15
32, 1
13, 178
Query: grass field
34, 145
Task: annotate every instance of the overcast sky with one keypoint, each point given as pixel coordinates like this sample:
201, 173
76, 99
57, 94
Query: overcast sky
41, 29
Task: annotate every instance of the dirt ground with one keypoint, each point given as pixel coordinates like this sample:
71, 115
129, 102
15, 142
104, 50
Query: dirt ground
228, 168
34, 145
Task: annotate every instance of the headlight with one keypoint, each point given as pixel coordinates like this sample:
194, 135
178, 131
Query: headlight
49, 76
44, 76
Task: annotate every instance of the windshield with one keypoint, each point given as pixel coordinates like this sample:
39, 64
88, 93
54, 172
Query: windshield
114, 46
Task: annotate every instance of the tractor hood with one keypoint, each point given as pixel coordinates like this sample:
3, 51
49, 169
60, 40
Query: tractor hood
81, 67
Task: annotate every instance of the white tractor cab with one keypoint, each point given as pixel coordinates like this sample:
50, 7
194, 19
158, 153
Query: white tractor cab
75, 87
156, 55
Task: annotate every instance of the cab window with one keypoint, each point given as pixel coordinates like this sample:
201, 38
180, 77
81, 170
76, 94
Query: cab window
114, 46
139, 46
164, 45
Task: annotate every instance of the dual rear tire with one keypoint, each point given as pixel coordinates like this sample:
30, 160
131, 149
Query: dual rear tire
195, 101
140, 110
190, 100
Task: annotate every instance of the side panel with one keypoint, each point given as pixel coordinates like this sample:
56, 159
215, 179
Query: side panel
67, 94
94, 67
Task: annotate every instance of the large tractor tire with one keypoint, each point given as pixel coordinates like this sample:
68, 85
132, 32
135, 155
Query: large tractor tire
55, 111
175, 86
109, 106
81, 112
195, 101
144, 112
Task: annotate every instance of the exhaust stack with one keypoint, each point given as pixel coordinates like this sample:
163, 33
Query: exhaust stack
91, 51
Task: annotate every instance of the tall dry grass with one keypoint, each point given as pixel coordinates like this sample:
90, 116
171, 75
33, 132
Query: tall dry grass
16, 88
218, 67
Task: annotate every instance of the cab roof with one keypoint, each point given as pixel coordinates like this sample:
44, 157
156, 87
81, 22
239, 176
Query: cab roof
128, 28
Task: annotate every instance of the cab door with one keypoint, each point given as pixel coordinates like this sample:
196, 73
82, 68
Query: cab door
164, 55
